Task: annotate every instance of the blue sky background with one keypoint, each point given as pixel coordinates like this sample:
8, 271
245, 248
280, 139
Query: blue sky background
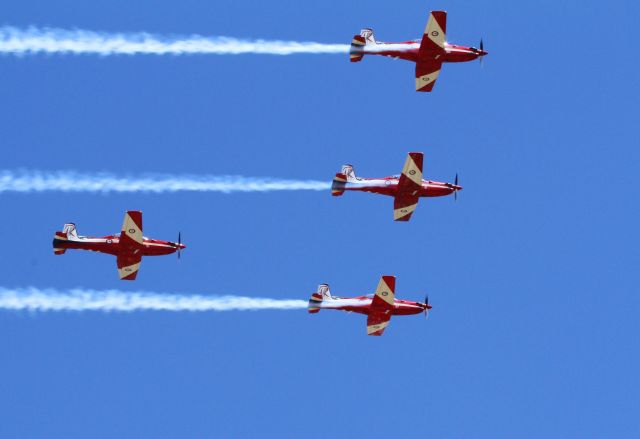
532, 273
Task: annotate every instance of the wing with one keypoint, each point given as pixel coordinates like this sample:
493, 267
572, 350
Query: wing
427, 71
128, 265
381, 306
403, 207
411, 177
431, 50
435, 34
131, 236
409, 186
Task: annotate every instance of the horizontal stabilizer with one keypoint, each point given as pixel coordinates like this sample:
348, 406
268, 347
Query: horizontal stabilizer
356, 52
338, 184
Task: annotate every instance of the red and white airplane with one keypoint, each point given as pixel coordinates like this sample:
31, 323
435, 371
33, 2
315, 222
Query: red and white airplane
428, 53
406, 189
378, 307
129, 246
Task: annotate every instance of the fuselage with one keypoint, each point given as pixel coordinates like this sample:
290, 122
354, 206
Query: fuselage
362, 304
409, 51
389, 186
111, 245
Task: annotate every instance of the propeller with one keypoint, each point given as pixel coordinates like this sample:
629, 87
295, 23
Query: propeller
426, 309
179, 244
481, 50
455, 191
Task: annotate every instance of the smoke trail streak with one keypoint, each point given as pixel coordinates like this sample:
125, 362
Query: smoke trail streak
36, 181
51, 300
33, 40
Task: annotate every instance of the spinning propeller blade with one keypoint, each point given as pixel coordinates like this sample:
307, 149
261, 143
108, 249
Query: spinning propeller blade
455, 192
179, 244
426, 309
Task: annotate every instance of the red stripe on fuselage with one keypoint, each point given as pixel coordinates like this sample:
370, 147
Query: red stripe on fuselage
409, 52
390, 187
400, 307
111, 245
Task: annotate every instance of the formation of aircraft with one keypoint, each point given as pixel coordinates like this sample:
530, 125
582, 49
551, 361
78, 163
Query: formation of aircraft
378, 307
406, 188
129, 246
428, 53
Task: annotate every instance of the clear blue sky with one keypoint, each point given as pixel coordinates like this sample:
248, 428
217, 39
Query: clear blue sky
532, 273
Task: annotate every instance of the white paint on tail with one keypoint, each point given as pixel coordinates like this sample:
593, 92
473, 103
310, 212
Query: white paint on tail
71, 231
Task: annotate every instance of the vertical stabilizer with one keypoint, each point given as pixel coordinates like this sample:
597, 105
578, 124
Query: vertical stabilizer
68, 233
70, 230
346, 175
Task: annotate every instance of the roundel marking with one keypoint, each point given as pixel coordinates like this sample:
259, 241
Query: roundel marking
109, 241
132, 231
127, 269
426, 79
435, 33
412, 172
384, 293
387, 182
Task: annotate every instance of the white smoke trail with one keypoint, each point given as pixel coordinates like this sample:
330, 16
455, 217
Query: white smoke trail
33, 40
51, 300
36, 181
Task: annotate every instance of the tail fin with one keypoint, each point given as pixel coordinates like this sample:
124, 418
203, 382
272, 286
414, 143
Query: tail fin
315, 302
70, 230
68, 233
359, 41
347, 174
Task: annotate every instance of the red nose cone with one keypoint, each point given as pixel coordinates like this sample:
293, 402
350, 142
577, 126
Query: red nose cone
182, 246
